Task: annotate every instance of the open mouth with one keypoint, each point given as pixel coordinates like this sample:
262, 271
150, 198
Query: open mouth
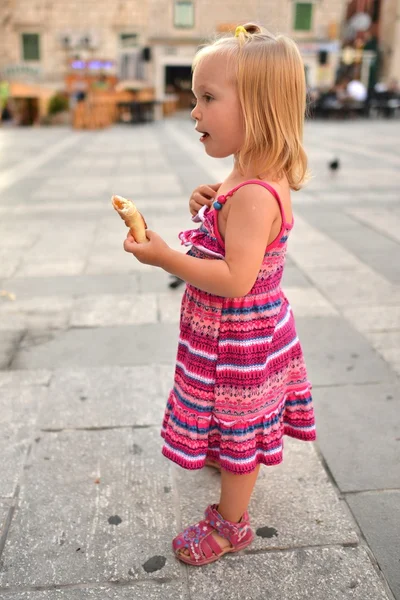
204, 134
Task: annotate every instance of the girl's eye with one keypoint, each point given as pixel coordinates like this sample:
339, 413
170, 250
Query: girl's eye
208, 98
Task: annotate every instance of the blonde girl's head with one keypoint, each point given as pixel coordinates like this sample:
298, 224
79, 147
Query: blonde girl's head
271, 88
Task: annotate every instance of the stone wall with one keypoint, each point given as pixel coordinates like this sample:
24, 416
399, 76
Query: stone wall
153, 22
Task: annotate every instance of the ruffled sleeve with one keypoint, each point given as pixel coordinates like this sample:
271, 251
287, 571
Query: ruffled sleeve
202, 237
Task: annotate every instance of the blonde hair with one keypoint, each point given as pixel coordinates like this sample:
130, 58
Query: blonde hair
271, 86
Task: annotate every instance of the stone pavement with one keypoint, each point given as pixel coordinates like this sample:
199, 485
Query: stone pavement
88, 506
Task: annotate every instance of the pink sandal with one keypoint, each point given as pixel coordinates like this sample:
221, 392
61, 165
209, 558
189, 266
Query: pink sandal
202, 546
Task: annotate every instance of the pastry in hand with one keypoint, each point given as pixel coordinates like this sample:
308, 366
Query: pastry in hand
132, 217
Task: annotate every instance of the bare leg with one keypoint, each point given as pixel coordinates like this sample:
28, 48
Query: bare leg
235, 496
236, 492
211, 462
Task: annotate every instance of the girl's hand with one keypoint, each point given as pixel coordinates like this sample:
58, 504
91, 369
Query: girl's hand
148, 253
204, 194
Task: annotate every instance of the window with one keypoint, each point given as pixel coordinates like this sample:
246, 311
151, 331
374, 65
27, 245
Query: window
128, 40
131, 65
303, 16
183, 13
30, 46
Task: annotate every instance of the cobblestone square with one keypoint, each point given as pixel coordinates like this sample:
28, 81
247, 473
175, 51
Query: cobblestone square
88, 505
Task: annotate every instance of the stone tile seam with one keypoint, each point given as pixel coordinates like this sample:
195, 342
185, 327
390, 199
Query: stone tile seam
152, 582
322, 386
178, 518
355, 525
8, 521
335, 486
340, 309
15, 349
99, 428
162, 580
90, 247
373, 560
375, 229
370, 492
356, 150
90, 585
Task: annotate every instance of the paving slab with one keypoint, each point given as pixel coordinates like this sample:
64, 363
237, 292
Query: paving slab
383, 220
47, 268
286, 511
156, 281
359, 431
369, 245
374, 318
312, 249
19, 406
39, 377
5, 506
9, 344
387, 343
84, 513
305, 574
355, 287
37, 312
378, 514
78, 285
9, 261
336, 354
104, 397
93, 347
111, 309
294, 277
113, 260
142, 590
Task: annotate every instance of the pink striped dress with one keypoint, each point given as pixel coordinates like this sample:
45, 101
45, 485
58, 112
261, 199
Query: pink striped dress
240, 379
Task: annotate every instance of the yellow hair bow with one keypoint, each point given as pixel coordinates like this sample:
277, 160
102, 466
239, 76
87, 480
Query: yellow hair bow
240, 29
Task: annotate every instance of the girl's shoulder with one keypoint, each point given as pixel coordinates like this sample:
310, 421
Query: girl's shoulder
279, 189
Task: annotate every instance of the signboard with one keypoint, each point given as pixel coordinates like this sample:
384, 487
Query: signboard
21, 72
91, 65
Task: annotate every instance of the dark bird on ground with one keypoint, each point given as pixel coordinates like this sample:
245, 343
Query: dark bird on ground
334, 165
176, 282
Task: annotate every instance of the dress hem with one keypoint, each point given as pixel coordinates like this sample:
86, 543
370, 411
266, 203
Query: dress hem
259, 459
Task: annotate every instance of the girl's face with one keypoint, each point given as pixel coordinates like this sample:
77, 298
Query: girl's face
217, 113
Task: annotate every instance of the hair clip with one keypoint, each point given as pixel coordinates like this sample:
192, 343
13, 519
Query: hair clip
240, 29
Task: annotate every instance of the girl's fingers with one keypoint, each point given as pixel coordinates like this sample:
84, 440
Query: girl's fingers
200, 199
195, 208
207, 191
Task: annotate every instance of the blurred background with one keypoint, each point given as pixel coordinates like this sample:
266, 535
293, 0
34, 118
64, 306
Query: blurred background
91, 63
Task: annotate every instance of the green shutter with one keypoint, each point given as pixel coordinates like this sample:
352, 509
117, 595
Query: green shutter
303, 16
30, 46
183, 13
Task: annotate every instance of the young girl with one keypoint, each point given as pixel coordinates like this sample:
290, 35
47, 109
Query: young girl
240, 379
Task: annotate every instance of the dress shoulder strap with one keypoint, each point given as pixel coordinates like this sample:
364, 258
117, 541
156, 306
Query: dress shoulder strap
267, 186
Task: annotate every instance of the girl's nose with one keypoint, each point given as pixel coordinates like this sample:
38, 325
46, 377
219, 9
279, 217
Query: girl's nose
195, 114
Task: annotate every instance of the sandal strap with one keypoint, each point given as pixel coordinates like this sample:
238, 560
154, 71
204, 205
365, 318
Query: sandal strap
233, 532
191, 539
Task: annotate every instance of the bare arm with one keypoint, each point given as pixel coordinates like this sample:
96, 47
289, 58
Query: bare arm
252, 213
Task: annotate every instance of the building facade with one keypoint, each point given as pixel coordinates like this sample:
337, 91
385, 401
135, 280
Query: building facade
153, 40
389, 33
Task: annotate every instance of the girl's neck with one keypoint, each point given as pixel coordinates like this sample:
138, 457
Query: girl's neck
237, 175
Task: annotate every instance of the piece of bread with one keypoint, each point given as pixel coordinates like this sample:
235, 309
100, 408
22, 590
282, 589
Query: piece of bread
132, 217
